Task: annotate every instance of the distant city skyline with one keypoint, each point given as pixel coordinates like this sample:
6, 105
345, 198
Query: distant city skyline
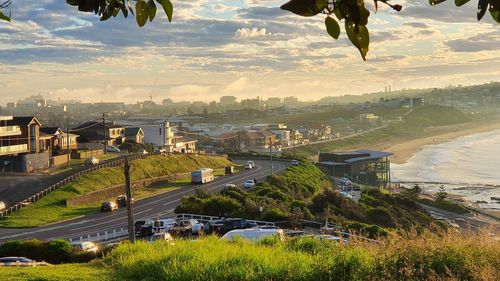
245, 48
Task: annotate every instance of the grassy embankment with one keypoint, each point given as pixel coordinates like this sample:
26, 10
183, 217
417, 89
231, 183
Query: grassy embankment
423, 121
450, 256
304, 193
52, 208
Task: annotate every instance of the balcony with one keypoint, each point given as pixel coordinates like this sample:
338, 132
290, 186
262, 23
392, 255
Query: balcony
13, 149
10, 131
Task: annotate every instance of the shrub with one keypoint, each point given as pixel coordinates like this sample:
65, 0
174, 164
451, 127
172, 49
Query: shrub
381, 216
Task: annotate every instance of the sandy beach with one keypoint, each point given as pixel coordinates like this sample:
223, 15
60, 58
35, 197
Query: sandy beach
404, 150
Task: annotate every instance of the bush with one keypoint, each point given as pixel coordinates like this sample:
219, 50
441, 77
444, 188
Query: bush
381, 216
55, 252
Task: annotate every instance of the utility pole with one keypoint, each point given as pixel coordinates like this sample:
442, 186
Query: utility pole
104, 129
271, 153
128, 190
199, 144
67, 147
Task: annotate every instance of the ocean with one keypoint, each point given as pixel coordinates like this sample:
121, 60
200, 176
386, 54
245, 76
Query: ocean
468, 166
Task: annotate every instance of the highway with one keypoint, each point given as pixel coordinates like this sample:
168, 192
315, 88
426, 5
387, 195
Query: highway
156, 206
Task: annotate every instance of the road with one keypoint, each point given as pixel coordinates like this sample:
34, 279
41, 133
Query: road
152, 207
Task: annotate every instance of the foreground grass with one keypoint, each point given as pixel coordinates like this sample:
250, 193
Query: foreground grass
450, 256
52, 208
67, 272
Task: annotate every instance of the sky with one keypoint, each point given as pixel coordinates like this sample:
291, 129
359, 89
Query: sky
245, 48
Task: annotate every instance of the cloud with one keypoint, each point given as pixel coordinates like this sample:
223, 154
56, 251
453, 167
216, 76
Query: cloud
250, 32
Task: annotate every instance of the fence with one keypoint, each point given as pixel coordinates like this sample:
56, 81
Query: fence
65, 181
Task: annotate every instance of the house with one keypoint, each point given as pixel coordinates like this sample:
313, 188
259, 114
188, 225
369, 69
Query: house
368, 118
54, 138
97, 132
367, 167
135, 134
20, 148
321, 131
258, 141
162, 135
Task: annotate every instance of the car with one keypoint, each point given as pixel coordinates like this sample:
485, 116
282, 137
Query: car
229, 185
161, 151
254, 234
223, 226
453, 224
111, 148
143, 152
109, 206
16, 261
249, 165
86, 246
295, 163
249, 184
161, 236
122, 201
2, 205
186, 227
92, 161
345, 181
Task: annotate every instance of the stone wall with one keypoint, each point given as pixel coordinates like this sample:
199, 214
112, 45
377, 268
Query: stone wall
114, 191
35, 162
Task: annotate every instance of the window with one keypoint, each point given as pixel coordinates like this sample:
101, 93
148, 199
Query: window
159, 131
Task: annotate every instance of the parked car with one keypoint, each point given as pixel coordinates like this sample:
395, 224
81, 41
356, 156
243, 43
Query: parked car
109, 206
86, 246
121, 201
223, 226
295, 162
2, 205
186, 227
92, 161
16, 261
345, 181
149, 227
143, 152
161, 236
249, 184
229, 185
254, 234
111, 148
161, 151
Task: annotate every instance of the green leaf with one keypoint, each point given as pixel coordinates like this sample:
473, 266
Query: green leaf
435, 2
332, 27
4, 17
482, 7
141, 12
495, 12
459, 3
360, 39
167, 7
151, 10
305, 8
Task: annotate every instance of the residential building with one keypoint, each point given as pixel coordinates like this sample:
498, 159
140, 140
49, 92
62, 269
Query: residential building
97, 132
135, 134
258, 141
363, 166
11, 137
369, 118
163, 135
53, 139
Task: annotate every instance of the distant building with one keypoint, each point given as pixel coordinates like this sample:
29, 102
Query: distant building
273, 102
162, 135
369, 118
97, 132
135, 134
227, 100
364, 166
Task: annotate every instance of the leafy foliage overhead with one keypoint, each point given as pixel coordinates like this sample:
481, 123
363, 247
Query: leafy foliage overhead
355, 15
352, 12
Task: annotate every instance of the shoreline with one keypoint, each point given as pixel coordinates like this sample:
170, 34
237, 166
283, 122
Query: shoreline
404, 150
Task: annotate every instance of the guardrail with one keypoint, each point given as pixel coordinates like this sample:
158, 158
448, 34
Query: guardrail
39, 195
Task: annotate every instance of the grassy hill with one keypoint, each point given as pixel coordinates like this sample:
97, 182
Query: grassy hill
415, 125
449, 256
52, 208
304, 193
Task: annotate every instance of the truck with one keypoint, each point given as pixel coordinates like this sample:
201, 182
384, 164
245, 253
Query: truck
203, 175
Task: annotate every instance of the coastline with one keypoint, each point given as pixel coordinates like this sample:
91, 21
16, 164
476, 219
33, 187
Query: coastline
404, 150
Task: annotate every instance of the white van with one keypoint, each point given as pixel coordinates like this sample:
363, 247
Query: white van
86, 246
254, 234
203, 175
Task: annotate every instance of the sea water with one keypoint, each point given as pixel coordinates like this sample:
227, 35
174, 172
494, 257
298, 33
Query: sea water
468, 166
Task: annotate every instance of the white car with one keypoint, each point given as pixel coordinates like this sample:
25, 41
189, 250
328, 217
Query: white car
92, 161
253, 234
250, 165
345, 181
249, 184
229, 185
2, 205
86, 246
143, 152
295, 163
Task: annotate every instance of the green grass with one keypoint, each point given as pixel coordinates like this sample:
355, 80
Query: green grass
428, 256
52, 208
67, 272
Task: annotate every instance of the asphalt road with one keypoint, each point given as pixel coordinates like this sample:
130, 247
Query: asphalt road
153, 207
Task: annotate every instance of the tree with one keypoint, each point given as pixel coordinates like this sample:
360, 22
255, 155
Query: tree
352, 12
441, 194
415, 191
